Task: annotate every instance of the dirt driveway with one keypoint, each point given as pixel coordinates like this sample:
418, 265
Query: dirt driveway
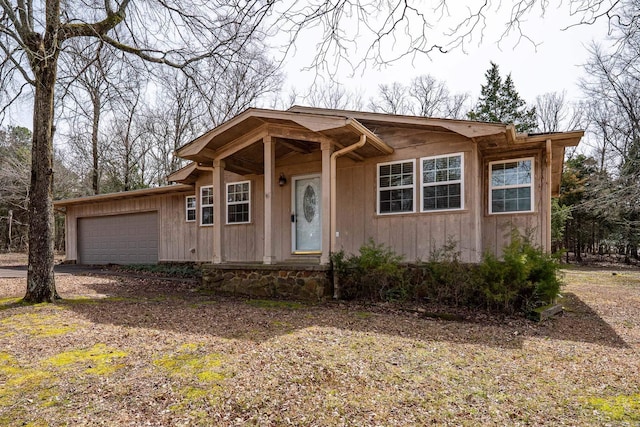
14, 266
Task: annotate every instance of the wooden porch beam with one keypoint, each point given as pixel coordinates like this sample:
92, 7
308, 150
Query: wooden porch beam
288, 132
245, 165
241, 142
294, 147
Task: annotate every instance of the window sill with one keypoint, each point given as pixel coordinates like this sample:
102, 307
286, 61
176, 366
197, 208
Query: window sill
512, 213
425, 213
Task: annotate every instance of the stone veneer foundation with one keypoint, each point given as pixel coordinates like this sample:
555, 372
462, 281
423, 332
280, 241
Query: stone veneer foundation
292, 282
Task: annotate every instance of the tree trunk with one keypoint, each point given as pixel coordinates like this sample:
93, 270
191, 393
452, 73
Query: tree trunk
10, 221
40, 279
95, 177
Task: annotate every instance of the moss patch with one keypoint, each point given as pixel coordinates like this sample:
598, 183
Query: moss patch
99, 359
199, 371
618, 408
363, 314
37, 325
189, 362
265, 303
23, 386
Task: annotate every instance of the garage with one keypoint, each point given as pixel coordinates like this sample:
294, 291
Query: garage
118, 239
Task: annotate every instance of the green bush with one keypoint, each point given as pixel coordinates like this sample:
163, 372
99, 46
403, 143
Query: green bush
188, 270
525, 278
444, 279
375, 274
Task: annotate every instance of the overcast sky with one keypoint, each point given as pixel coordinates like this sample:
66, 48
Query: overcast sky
553, 64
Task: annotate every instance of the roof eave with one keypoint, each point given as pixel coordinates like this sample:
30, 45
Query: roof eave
157, 191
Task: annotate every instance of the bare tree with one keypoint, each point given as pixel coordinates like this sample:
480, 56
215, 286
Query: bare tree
331, 95
603, 127
555, 114
176, 115
613, 90
392, 99
430, 96
15, 163
244, 83
14, 184
184, 107
613, 86
89, 81
126, 160
458, 106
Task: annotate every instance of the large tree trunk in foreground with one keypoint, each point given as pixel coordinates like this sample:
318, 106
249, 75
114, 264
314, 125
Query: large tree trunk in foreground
41, 285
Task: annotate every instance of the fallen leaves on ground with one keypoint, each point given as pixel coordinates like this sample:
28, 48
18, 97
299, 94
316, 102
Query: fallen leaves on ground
135, 351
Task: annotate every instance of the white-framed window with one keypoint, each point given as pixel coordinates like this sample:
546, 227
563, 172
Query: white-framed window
511, 185
190, 206
206, 205
239, 202
442, 182
396, 189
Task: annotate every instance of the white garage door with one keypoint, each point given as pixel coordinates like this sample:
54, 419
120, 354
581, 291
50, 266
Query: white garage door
118, 239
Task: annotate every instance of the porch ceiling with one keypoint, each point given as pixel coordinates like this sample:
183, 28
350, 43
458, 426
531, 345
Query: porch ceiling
237, 141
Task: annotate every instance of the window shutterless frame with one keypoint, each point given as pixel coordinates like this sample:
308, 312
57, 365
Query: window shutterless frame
206, 205
511, 188
239, 202
395, 187
442, 183
190, 208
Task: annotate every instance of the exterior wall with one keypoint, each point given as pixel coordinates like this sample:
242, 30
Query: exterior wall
417, 235
243, 242
176, 236
414, 235
497, 227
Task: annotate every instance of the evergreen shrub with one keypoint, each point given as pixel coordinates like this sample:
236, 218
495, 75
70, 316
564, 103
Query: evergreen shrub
525, 277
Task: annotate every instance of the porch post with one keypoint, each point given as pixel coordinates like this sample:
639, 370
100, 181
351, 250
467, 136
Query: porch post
218, 211
547, 194
327, 149
269, 166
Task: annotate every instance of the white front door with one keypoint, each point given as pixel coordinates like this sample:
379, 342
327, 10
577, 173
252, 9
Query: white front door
306, 217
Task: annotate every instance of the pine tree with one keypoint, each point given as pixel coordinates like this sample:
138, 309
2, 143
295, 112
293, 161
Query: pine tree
500, 103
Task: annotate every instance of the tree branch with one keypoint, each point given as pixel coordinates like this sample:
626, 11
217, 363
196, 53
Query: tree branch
96, 29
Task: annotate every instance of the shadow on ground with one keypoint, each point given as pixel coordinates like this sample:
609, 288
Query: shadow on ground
182, 307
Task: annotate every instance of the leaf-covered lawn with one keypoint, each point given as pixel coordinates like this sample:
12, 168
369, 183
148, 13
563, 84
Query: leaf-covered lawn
130, 351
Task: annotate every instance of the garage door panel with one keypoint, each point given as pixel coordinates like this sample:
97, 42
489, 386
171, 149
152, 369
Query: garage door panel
118, 239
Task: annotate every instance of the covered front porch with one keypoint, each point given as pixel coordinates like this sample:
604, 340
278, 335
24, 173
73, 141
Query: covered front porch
290, 160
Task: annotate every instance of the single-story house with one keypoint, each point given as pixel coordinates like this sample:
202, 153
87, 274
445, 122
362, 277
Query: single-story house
277, 187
